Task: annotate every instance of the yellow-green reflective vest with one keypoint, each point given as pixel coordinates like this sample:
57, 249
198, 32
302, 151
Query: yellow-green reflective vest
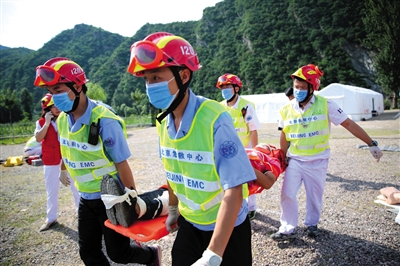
239, 123
86, 163
190, 166
308, 133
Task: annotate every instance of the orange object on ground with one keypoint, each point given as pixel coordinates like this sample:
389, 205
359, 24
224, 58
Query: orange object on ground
142, 230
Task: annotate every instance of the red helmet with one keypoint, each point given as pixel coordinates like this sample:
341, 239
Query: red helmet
59, 70
311, 74
227, 78
47, 101
162, 49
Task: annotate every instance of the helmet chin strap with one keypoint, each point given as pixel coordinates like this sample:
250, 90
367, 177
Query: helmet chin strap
181, 93
77, 96
231, 99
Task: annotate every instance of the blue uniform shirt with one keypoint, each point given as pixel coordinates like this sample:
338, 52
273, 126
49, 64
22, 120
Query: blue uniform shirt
114, 142
232, 171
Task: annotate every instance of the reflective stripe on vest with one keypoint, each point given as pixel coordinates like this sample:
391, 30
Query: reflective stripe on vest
190, 166
308, 134
86, 163
99, 173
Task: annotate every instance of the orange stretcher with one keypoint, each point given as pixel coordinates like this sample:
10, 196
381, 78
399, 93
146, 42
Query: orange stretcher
142, 230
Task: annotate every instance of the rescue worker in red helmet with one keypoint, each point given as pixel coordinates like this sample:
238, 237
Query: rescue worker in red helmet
61, 70
205, 162
94, 151
46, 133
244, 112
305, 123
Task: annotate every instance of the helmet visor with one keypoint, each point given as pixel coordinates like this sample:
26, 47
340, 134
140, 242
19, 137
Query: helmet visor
46, 76
146, 54
222, 80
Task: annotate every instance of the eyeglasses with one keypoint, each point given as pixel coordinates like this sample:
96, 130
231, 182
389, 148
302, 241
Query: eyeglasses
47, 76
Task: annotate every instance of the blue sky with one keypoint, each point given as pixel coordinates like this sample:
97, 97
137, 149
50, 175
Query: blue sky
32, 23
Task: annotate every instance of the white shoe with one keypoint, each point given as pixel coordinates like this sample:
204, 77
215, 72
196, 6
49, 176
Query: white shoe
47, 225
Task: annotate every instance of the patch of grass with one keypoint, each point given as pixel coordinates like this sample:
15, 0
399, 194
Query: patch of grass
24, 195
17, 140
137, 121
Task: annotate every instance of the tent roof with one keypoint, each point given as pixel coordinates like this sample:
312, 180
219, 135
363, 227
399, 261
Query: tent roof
343, 87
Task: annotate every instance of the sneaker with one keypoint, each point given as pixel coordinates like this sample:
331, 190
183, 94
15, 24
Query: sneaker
282, 237
47, 225
158, 254
121, 213
251, 215
312, 231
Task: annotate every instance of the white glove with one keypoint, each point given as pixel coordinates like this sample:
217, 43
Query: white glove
376, 152
173, 214
209, 258
48, 116
64, 178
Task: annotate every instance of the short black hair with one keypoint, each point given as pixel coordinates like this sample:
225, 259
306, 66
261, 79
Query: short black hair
71, 86
289, 92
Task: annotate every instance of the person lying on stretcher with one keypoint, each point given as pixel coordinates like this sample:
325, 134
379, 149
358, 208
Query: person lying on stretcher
124, 207
268, 163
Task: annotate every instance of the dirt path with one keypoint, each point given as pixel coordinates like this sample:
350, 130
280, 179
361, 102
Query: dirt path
354, 230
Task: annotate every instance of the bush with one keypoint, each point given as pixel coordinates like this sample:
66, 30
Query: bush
386, 104
18, 129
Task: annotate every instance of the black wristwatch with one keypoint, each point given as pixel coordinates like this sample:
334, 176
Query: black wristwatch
373, 143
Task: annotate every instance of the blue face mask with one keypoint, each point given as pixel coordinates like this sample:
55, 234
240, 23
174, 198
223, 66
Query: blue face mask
159, 95
227, 93
300, 95
63, 102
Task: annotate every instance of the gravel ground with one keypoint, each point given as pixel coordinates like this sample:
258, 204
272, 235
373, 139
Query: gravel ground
353, 229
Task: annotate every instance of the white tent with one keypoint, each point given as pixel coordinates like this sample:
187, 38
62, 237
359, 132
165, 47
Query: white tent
267, 105
358, 103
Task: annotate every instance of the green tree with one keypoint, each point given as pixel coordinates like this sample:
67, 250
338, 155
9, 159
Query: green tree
8, 101
383, 36
96, 92
137, 97
26, 104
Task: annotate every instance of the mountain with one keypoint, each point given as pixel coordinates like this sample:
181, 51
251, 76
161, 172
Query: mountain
263, 42
9, 57
4, 47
